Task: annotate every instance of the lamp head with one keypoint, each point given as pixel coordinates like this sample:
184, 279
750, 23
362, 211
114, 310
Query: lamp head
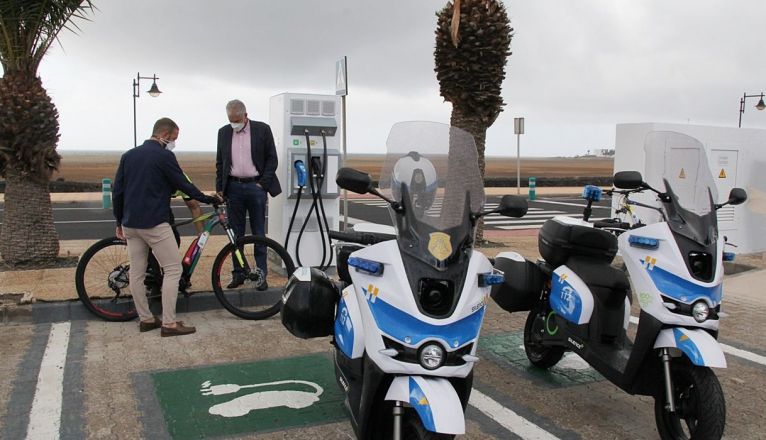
154, 91
761, 105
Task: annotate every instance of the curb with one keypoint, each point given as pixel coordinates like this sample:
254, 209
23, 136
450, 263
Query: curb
73, 310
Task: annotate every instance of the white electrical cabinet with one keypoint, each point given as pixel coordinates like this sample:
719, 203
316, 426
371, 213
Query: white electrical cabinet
736, 157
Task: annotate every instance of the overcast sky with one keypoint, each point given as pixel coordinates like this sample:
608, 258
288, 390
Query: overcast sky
577, 69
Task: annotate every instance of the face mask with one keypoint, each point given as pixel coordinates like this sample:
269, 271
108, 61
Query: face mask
237, 126
170, 145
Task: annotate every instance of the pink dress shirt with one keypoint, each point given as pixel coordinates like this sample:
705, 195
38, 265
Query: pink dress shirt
241, 158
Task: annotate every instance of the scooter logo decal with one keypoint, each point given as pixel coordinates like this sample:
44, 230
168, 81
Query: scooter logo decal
649, 263
567, 295
371, 293
242, 405
439, 245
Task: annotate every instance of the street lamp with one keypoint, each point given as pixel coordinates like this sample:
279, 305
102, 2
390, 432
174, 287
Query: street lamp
154, 92
760, 106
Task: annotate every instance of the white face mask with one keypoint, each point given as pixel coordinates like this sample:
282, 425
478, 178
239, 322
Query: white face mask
237, 126
170, 145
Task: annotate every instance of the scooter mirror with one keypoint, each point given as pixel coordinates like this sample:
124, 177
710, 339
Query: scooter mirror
513, 206
737, 196
354, 180
628, 180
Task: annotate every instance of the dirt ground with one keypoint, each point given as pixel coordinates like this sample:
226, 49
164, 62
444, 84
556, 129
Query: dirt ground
92, 167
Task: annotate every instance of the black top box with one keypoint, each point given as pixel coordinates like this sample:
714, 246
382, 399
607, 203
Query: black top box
562, 237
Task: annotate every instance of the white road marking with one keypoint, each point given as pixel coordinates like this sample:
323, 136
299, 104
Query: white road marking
507, 418
734, 351
45, 415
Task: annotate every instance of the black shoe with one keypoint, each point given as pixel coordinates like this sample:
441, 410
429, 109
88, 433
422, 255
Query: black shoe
262, 287
237, 280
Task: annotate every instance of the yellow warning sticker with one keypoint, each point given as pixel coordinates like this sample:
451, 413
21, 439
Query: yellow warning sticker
722, 174
682, 174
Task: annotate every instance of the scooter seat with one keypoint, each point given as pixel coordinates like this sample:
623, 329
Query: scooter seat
608, 283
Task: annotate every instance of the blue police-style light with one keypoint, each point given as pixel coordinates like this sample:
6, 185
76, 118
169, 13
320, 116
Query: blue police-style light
367, 266
490, 279
643, 242
592, 193
729, 256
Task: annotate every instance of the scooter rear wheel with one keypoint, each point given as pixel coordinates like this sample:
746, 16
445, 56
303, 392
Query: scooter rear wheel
701, 408
539, 355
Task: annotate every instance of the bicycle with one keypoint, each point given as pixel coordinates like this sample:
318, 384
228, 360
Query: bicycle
103, 283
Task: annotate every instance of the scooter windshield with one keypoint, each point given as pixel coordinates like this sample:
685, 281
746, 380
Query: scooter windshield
679, 163
432, 170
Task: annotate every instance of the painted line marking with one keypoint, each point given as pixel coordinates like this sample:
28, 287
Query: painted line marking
45, 415
734, 351
507, 418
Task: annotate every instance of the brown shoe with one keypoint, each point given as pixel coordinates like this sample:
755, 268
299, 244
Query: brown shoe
179, 330
151, 325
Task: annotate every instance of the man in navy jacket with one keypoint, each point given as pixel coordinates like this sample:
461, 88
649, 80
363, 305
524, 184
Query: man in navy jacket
245, 172
146, 178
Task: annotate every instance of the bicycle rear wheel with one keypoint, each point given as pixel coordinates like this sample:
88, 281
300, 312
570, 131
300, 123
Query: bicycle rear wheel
248, 290
103, 283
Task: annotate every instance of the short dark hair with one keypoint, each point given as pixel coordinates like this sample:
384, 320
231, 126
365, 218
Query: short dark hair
164, 125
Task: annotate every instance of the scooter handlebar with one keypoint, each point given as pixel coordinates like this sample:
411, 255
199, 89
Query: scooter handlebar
366, 238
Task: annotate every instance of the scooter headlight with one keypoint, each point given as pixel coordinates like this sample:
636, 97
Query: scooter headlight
431, 356
700, 311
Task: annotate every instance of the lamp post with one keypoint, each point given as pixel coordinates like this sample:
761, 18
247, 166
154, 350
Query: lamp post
153, 92
760, 106
518, 130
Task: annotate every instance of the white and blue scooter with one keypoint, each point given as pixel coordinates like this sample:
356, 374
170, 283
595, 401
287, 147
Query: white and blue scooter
407, 320
579, 302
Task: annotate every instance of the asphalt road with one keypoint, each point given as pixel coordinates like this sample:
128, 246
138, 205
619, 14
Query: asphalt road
88, 221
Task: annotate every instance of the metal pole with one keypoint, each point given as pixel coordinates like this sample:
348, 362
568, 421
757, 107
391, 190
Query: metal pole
135, 88
741, 109
343, 139
518, 163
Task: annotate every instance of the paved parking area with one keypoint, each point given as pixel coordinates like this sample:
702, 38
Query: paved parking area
93, 379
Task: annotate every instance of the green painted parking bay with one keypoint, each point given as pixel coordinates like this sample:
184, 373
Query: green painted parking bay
231, 399
507, 349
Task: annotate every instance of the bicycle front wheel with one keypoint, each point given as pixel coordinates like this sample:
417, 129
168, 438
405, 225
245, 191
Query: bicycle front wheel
102, 280
249, 283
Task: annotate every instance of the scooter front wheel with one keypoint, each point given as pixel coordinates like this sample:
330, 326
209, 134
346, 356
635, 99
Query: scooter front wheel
700, 406
540, 355
413, 429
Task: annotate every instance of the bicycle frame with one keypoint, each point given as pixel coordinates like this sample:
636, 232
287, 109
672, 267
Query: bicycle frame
194, 252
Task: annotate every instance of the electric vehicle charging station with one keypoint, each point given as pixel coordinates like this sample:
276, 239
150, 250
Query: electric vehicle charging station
301, 123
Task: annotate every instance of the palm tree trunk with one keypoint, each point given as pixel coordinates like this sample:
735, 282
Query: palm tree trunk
478, 130
28, 232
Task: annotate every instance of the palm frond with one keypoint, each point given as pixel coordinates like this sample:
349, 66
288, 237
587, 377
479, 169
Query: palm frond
29, 27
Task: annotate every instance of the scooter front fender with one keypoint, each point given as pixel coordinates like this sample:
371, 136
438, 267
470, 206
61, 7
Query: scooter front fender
697, 344
435, 400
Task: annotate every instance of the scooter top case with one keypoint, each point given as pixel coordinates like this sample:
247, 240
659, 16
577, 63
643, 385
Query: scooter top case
563, 237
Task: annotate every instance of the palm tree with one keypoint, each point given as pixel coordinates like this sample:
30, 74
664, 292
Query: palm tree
473, 39
29, 129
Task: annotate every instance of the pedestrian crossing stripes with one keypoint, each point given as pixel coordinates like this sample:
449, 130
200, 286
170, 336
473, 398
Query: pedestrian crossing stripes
534, 219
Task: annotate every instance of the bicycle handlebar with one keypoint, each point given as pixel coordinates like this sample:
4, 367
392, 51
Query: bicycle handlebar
366, 238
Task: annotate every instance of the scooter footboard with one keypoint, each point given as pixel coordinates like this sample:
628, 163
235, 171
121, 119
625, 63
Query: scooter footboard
435, 400
697, 344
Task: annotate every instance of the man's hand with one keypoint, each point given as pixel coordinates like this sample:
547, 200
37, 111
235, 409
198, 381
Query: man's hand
118, 232
218, 196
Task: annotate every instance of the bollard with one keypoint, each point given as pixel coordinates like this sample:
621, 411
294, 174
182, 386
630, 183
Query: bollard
532, 188
106, 193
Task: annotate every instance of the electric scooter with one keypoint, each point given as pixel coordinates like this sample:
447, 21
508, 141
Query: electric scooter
406, 314
578, 302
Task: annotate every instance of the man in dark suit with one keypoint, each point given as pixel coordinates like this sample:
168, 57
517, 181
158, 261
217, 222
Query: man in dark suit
245, 167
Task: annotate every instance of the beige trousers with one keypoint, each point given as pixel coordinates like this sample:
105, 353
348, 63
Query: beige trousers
163, 245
